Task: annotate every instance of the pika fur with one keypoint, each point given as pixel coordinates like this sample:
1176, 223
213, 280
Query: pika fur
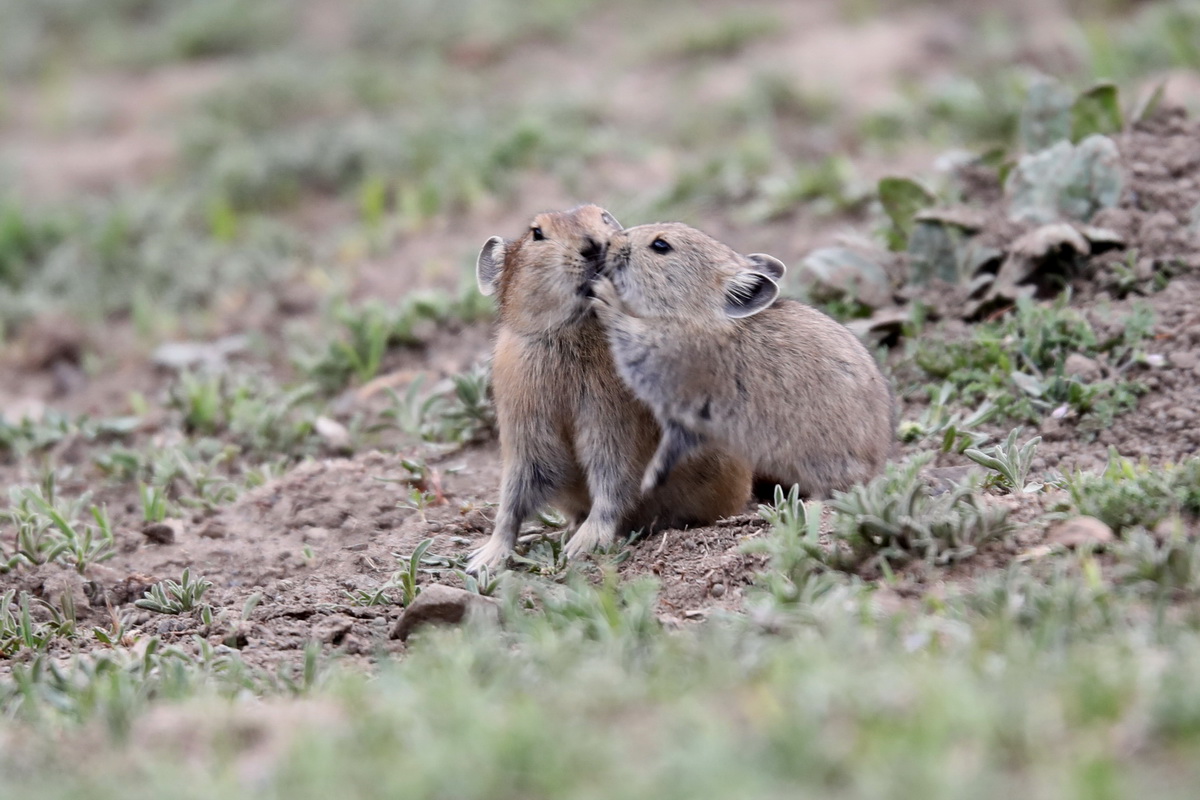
572, 434
697, 333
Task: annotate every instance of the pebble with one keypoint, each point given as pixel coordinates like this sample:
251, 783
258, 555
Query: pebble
162, 532
446, 605
1082, 367
1080, 531
1184, 359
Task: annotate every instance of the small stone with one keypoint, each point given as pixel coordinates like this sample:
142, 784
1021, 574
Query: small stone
1181, 412
1035, 553
1184, 359
943, 479
1080, 531
60, 583
198, 355
332, 630
445, 605
1170, 527
1082, 367
333, 433
15, 411
215, 529
50, 339
1054, 429
162, 532
717, 590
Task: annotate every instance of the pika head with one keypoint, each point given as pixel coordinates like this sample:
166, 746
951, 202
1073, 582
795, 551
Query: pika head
669, 269
543, 278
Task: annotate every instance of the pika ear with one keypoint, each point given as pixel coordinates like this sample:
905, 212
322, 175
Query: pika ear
748, 293
490, 264
770, 266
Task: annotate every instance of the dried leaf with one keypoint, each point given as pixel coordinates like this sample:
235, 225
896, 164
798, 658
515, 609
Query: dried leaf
832, 273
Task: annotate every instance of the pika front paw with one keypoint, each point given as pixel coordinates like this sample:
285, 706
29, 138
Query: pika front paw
605, 299
492, 555
590, 535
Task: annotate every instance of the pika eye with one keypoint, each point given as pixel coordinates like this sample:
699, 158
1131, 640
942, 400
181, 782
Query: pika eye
537, 233
660, 246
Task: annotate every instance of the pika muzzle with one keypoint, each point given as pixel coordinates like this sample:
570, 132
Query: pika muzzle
619, 253
593, 254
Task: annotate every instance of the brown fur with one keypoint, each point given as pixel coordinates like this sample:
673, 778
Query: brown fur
697, 333
571, 433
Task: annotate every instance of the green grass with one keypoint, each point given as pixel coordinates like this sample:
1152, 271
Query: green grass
1016, 364
722, 37
362, 334
1127, 495
40, 36
1029, 685
146, 254
1158, 37
464, 28
439, 162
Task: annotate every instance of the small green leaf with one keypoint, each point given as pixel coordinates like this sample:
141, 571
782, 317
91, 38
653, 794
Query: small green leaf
1098, 110
222, 220
902, 198
1149, 105
1028, 384
1045, 116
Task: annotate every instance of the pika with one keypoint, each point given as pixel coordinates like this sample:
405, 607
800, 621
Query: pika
572, 434
697, 333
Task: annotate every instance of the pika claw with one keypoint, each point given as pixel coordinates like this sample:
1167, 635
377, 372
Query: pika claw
589, 536
490, 556
604, 293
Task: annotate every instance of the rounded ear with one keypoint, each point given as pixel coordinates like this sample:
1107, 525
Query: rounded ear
770, 266
748, 293
489, 265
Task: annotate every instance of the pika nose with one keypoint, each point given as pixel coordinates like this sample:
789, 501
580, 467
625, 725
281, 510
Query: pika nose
592, 252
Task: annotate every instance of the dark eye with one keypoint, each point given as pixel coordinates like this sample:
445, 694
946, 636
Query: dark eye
660, 246
537, 234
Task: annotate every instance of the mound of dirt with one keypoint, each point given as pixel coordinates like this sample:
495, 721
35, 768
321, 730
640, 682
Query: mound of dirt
1159, 213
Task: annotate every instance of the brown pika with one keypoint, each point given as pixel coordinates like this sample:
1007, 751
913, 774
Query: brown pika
572, 434
697, 333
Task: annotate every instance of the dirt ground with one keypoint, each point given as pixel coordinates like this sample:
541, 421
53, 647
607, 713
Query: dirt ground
335, 525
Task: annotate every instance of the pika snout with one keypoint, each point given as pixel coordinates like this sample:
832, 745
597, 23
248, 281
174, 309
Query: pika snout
619, 252
593, 253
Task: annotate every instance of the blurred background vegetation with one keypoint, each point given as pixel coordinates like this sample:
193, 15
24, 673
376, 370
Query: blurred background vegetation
156, 155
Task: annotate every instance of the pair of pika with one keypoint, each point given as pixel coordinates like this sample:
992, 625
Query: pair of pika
698, 333
713, 381
572, 434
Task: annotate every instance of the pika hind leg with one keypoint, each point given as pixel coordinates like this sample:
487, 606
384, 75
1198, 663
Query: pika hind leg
526, 486
677, 441
608, 456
